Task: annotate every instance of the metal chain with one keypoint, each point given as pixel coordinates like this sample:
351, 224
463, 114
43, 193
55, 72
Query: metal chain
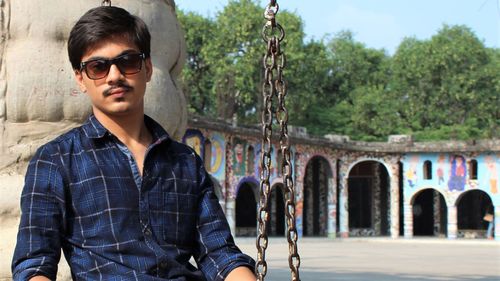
265, 188
274, 85
106, 2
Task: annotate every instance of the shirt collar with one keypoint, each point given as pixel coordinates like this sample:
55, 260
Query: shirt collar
95, 130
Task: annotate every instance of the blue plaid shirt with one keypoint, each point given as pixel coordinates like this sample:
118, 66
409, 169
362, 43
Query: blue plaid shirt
83, 193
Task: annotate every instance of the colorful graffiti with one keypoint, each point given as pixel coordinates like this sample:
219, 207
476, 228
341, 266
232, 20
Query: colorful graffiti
458, 173
491, 167
411, 173
239, 159
194, 139
453, 174
440, 168
218, 158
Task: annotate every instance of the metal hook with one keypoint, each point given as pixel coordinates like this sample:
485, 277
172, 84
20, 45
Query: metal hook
104, 2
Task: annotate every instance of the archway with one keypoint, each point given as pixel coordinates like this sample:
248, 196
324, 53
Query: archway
368, 199
246, 211
430, 214
315, 213
276, 203
472, 205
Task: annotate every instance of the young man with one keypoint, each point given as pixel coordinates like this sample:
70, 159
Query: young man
122, 199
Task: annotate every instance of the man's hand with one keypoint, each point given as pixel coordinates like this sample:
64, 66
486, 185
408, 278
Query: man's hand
241, 273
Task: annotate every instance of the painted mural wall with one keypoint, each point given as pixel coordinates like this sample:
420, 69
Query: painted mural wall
452, 175
198, 140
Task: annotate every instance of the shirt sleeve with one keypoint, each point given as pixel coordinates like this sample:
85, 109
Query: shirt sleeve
217, 253
38, 247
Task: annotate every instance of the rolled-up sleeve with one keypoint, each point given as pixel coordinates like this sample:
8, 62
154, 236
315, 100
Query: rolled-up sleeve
218, 254
38, 247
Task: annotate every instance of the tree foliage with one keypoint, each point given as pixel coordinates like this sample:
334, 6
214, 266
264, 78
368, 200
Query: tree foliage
445, 87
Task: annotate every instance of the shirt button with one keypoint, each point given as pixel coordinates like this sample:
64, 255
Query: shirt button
147, 232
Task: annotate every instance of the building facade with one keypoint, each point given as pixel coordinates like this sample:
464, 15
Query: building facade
346, 188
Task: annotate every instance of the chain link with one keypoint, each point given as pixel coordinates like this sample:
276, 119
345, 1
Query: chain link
274, 85
106, 2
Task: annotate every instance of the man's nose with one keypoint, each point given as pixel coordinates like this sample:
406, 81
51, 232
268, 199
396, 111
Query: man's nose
114, 74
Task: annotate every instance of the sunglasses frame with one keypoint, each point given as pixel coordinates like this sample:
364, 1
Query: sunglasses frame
110, 62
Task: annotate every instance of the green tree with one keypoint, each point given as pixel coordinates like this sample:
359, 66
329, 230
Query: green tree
196, 76
356, 80
234, 53
441, 88
442, 85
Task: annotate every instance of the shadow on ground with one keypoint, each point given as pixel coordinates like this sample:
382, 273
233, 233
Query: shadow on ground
305, 275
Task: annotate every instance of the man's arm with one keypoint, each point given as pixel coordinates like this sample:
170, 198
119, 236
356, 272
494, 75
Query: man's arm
241, 273
38, 247
217, 255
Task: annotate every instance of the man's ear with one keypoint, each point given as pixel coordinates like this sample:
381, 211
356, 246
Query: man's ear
79, 80
149, 68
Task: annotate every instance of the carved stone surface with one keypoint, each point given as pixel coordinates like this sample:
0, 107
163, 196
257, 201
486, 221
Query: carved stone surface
38, 95
39, 98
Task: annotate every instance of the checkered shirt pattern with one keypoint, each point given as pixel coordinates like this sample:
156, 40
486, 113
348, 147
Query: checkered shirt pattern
81, 196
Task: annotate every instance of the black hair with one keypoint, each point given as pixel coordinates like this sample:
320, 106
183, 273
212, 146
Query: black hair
103, 23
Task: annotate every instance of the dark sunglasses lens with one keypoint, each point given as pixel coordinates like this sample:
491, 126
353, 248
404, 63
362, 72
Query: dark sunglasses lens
97, 69
129, 64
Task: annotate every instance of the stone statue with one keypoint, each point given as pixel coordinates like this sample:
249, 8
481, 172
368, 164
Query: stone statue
39, 98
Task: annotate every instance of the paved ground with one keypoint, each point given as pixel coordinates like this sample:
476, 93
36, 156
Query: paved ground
381, 259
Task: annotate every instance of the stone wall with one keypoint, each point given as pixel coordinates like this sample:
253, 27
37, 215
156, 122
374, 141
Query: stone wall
39, 98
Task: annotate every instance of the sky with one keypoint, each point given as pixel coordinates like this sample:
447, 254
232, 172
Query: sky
381, 24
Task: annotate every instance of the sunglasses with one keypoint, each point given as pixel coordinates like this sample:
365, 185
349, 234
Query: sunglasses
99, 68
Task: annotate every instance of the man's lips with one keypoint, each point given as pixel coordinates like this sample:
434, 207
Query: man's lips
117, 91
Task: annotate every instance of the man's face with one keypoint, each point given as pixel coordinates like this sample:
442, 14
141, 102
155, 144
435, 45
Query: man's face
116, 94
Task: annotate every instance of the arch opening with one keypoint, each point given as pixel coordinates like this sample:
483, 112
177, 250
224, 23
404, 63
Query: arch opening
472, 205
246, 211
430, 214
276, 223
315, 212
369, 199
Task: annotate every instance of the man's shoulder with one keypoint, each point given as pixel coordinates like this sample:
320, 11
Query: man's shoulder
177, 147
62, 143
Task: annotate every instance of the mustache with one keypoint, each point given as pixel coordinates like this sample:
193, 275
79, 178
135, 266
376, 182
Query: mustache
107, 92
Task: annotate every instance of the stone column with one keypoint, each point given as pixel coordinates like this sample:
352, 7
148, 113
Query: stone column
437, 212
231, 214
332, 202
408, 218
343, 202
394, 197
299, 208
452, 222
332, 222
497, 222
377, 220
299, 192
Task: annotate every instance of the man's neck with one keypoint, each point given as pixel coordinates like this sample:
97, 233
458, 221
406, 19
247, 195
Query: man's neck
128, 128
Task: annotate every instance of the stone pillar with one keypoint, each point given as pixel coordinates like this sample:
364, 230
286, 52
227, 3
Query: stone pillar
332, 222
452, 222
272, 211
408, 218
299, 191
377, 220
394, 197
497, 222
332, 201
343, 203
437, 212
299, 209
231, 214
